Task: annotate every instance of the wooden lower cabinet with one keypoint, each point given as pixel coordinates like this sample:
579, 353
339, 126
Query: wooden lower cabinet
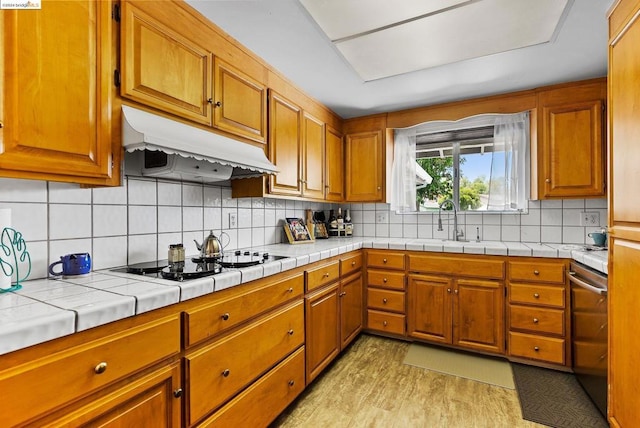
322, 329
464, 312
263, 401
215, 373
153, 399
351, 305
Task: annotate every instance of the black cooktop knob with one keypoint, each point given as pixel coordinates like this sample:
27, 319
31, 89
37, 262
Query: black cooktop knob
238, 252
256, 254
247, 253
265, 255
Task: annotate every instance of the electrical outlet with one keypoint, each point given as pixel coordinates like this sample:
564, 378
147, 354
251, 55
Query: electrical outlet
590, 218
381, 217
233, 220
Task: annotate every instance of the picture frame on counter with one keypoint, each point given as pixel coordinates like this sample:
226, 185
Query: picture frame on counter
296, 231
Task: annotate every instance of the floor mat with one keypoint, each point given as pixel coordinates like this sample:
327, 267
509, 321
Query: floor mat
493, 371
555, 399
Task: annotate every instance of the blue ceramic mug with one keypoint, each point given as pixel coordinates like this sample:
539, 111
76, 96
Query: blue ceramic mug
72, 264
599, 238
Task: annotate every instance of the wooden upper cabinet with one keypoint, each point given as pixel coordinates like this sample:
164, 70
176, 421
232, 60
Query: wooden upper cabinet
334, 165
163, 69
285, 149
240, 102
571, 147
313, 157
364, 167
57, 92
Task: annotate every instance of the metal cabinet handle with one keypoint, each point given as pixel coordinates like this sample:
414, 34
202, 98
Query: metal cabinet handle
536, 272
290, 332
291, 383
448, 290
548, 180
226, 372
344, 293
100, 368
384, 280
379, 188
535, 348
290, 290
384, 323
225, 316
535, 320
384, 260
218, 104
455, 291
353, 263
210, 100
384, 301
536, 295
326, 275
177, 393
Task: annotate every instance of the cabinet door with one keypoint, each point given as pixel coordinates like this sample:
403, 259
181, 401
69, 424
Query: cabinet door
285, 150
364, 167
334, 168
573, 150
164, 69
56, 89
313, 157
240, 103
429, 308
351, 309
478, 315
322, 329
155, 397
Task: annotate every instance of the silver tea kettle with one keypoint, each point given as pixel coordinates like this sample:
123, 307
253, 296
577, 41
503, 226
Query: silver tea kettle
211, 247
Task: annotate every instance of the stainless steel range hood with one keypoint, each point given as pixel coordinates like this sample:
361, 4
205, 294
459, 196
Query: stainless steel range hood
161, 147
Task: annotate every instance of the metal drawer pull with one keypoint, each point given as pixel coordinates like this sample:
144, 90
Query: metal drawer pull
384, 260
344, 293
177, 393
535, 348
455, 291
226, 372
326, 275
353, 263
448, 290
384, 300
291, 383
384, 279
536, 272
535, 320
100, 368
290, 290
536, 295
225, 316
290, 332
384, 323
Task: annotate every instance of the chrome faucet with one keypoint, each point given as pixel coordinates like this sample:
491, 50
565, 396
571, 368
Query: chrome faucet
456, 234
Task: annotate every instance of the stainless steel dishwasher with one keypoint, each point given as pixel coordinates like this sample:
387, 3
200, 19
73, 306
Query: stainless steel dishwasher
589, 331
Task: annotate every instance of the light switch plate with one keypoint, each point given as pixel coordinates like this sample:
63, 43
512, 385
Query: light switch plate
381, 217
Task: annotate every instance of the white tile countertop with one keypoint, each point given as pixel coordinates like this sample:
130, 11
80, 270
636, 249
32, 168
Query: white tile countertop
46, 309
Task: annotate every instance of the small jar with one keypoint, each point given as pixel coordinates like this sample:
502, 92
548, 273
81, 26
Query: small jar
176, 253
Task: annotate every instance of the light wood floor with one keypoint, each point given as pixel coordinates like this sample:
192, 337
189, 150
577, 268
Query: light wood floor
368, 386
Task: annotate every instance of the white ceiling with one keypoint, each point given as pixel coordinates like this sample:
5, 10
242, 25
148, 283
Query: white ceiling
285, 35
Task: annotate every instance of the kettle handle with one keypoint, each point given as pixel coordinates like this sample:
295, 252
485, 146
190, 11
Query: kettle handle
228, 239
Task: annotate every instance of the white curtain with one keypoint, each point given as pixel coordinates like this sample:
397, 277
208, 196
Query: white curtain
508, 181
403, 172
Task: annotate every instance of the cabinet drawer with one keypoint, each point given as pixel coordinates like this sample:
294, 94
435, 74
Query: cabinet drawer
218, 371
274, 391
378, 278
350, 264
457, 266
544, 295
385, 259
385, 300
322, 275
386, 322
549, 349
67, 375
537, 271
238, 306
537, 320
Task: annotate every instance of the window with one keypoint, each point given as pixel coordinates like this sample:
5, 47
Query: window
480, 163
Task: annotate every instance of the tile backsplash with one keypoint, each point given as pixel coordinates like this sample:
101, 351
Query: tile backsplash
137, 221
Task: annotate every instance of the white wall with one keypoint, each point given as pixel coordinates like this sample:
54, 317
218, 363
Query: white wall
138, 221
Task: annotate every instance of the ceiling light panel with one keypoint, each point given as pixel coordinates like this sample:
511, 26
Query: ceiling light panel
341, 19
471, 31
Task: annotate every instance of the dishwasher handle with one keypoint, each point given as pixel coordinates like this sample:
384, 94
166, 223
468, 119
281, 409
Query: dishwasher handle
585, 285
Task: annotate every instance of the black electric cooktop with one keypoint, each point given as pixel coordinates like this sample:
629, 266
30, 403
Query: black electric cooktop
198, 267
